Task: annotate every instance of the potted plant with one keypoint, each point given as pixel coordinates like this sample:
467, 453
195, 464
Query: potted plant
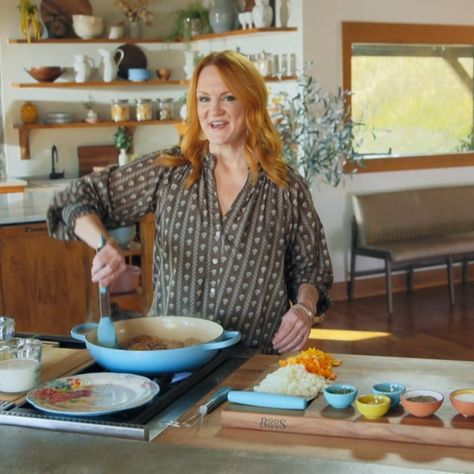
90, 105
30, 25
189, 21
317, 130
123, 141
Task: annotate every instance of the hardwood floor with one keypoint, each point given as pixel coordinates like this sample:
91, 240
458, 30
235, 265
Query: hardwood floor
423, 325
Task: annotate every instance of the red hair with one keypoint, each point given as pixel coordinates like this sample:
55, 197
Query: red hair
263, 145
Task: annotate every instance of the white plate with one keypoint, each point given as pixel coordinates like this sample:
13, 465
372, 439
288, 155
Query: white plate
93, 394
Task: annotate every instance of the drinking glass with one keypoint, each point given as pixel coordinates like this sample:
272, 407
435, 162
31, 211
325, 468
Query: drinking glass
7, 327
20, 364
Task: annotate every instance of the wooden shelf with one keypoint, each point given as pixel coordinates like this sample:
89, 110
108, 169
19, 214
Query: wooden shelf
119, 83
251, 31
24, 130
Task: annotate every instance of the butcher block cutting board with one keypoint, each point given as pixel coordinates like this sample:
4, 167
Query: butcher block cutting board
56, 362
98, 155
445, 428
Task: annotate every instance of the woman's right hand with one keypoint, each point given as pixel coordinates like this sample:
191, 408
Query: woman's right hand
108, 263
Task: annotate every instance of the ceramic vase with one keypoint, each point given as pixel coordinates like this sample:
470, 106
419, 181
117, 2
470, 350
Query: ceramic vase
189, 63
134, 30
223, 15
123, 157
29, 112
91, 116
262, 14
83, 66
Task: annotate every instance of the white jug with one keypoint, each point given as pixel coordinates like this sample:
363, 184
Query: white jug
83, 66
109, 67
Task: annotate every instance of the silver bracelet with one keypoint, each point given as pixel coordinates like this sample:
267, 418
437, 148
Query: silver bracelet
307, 309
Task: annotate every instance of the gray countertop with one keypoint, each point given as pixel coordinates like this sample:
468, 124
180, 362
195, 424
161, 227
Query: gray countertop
29, 451
31, 205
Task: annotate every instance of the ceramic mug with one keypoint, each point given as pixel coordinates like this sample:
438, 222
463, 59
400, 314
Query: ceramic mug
116, 32
139, 74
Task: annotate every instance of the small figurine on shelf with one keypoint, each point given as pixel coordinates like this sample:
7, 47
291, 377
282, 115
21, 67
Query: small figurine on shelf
30, 25
90, 105
123, 141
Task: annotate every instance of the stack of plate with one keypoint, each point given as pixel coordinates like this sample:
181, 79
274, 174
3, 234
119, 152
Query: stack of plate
58, 117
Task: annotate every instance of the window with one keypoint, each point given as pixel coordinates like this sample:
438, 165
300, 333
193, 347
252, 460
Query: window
412, 87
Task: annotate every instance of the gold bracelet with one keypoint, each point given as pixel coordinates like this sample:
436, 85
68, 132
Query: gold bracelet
307, 310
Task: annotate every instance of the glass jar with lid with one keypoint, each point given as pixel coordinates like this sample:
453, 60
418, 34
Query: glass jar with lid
165, 109
120, 110
144, 110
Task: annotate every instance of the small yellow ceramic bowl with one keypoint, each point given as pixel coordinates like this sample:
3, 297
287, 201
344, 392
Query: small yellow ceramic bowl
373, 406
463, 401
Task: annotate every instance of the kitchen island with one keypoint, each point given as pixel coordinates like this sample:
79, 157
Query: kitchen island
213, 447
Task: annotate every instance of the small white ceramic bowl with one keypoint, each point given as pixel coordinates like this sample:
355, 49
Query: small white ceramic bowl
87, 26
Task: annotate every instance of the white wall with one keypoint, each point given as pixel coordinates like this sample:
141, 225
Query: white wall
322, 44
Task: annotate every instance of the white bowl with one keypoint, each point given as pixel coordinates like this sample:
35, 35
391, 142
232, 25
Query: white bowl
87, 26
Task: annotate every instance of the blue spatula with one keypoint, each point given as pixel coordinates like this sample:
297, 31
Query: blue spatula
105, 331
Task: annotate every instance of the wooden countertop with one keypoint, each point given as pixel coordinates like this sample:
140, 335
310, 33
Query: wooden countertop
212, 435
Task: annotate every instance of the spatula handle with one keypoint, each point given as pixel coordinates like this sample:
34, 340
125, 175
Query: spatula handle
104, 296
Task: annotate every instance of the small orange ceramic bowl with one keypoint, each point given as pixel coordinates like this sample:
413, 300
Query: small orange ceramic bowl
421, 402
463, 401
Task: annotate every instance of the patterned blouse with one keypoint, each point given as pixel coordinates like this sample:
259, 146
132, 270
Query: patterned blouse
240, 270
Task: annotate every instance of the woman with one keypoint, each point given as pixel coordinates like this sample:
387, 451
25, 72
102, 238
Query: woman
238, 237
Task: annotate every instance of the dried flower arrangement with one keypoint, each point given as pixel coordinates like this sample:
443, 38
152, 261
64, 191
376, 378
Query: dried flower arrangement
136, 10
317, 130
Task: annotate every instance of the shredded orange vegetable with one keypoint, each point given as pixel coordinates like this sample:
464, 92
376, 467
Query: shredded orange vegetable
314, 361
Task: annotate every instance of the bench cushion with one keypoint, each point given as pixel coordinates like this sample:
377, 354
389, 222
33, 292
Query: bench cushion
396, 217
427, 247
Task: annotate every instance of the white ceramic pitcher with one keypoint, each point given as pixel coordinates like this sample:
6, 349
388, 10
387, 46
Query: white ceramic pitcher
109, 67
83, 66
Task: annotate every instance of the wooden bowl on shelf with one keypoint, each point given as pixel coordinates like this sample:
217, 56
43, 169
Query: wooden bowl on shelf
45, 73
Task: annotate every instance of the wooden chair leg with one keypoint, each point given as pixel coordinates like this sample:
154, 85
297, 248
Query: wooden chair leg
350, 286
450, 280
464, 270
388, 281
410, 278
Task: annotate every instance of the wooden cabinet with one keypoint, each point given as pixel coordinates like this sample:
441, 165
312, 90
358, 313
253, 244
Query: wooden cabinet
45, 283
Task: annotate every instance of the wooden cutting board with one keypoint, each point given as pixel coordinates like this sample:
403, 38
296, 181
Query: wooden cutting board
56, 362
445, 428
99, 155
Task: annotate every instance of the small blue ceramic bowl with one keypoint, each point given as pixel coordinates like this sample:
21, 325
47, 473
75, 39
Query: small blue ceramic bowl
139, 74
340, 395
393, 390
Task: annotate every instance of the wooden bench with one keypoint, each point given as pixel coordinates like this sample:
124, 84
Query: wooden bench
413, 228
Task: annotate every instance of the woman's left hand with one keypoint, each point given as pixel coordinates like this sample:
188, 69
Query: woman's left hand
294, 330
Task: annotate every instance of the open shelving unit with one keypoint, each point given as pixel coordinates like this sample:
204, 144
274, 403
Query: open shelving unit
209, 36
24, 130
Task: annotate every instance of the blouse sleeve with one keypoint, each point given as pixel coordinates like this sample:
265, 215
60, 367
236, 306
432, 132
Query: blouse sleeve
307, 256
120, 196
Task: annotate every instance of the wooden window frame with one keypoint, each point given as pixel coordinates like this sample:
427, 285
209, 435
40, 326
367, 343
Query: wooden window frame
401, 33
